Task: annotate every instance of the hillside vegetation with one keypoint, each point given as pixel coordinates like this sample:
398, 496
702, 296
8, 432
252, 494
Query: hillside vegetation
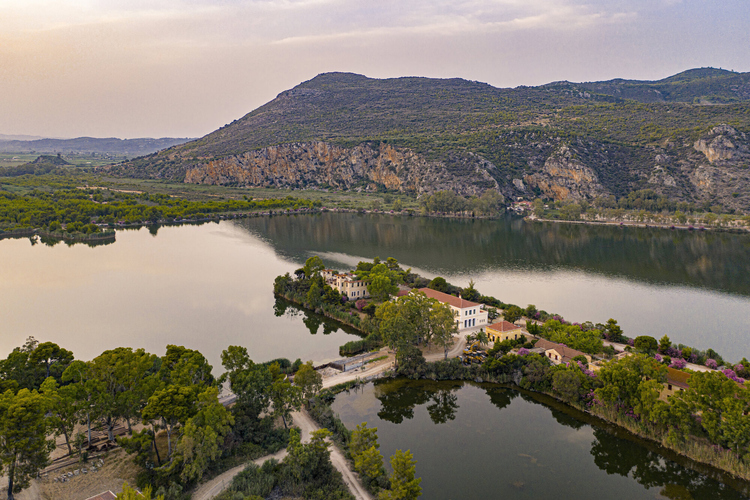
684, 137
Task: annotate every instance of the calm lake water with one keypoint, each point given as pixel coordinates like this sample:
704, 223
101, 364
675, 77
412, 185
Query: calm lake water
210, 286
476, 441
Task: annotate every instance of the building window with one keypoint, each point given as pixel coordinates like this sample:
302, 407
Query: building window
669, 387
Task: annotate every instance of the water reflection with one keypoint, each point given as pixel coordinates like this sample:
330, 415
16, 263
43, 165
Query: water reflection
399, 404
534, 450
718, 261
313, 321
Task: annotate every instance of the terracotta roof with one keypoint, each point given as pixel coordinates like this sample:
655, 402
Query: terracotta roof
678, 378
448, 299
504, 326
401, 293
566, 352
107, 495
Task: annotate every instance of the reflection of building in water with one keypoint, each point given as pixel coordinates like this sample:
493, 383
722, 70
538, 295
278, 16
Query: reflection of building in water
346, 284
468, 314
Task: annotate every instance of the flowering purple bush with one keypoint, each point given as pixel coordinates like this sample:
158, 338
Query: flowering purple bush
732, 375
673, 352
631, 342
523, 351
658, 358
678, 363
360, 304
711, 363
585, 370
738, 367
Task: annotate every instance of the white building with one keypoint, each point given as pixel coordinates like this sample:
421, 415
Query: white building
468, 314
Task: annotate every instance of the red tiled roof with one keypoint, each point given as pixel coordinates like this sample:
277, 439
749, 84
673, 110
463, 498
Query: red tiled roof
448, 299
504, 326
567, 353
678, 378
401, 293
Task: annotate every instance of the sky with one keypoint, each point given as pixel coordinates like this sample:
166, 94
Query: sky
183, 68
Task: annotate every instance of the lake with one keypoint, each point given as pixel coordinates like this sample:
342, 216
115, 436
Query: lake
478, 441
209, 286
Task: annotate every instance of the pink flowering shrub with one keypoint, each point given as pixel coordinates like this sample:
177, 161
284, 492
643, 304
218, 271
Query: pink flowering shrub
711, 363
523, 351
360, 304
678, 363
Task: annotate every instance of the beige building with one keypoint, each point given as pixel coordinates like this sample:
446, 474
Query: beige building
347, 284
558, 353
677, 381
468, 314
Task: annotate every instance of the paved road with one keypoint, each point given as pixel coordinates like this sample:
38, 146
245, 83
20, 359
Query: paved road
387, 364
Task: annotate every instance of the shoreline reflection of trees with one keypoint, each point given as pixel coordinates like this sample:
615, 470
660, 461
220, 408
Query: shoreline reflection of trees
716, 261
311, 320
399, 398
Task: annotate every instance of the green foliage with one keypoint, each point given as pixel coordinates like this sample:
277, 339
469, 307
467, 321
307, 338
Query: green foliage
404, 484
588, 341
24, 447
512, 313
645, 344
308, 380
129, 493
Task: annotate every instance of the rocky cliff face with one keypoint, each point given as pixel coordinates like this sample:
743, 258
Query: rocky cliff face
564, 177
324, 165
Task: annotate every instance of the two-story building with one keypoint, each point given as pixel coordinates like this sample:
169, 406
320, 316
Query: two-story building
468, 314
347, 284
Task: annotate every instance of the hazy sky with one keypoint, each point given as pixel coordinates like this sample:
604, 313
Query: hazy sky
155, 68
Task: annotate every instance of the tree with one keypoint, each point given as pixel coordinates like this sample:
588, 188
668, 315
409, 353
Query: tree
364, 447
286, 398
512, 314
645, 344
129, 493
64, 409
173, 405
664, 345
24, 447
85, 390
439, 284
442, 326
613, 331
313, 266
381, 288
54, 358
470, 293
203, 435
404, 486
308, 380
369, 463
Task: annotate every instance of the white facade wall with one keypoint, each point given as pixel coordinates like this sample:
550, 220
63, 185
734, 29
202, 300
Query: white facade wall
470, 317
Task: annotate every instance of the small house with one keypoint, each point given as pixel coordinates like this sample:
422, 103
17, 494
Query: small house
505, 330
560, 353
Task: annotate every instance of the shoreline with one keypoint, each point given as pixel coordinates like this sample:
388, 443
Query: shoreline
642, 225
377, 371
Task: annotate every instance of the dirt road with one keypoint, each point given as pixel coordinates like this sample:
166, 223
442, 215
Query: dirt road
307, 426
220, 483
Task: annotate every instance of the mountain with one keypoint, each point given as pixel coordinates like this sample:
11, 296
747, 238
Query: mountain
44, 164
114, 146
685, 137
6, 137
